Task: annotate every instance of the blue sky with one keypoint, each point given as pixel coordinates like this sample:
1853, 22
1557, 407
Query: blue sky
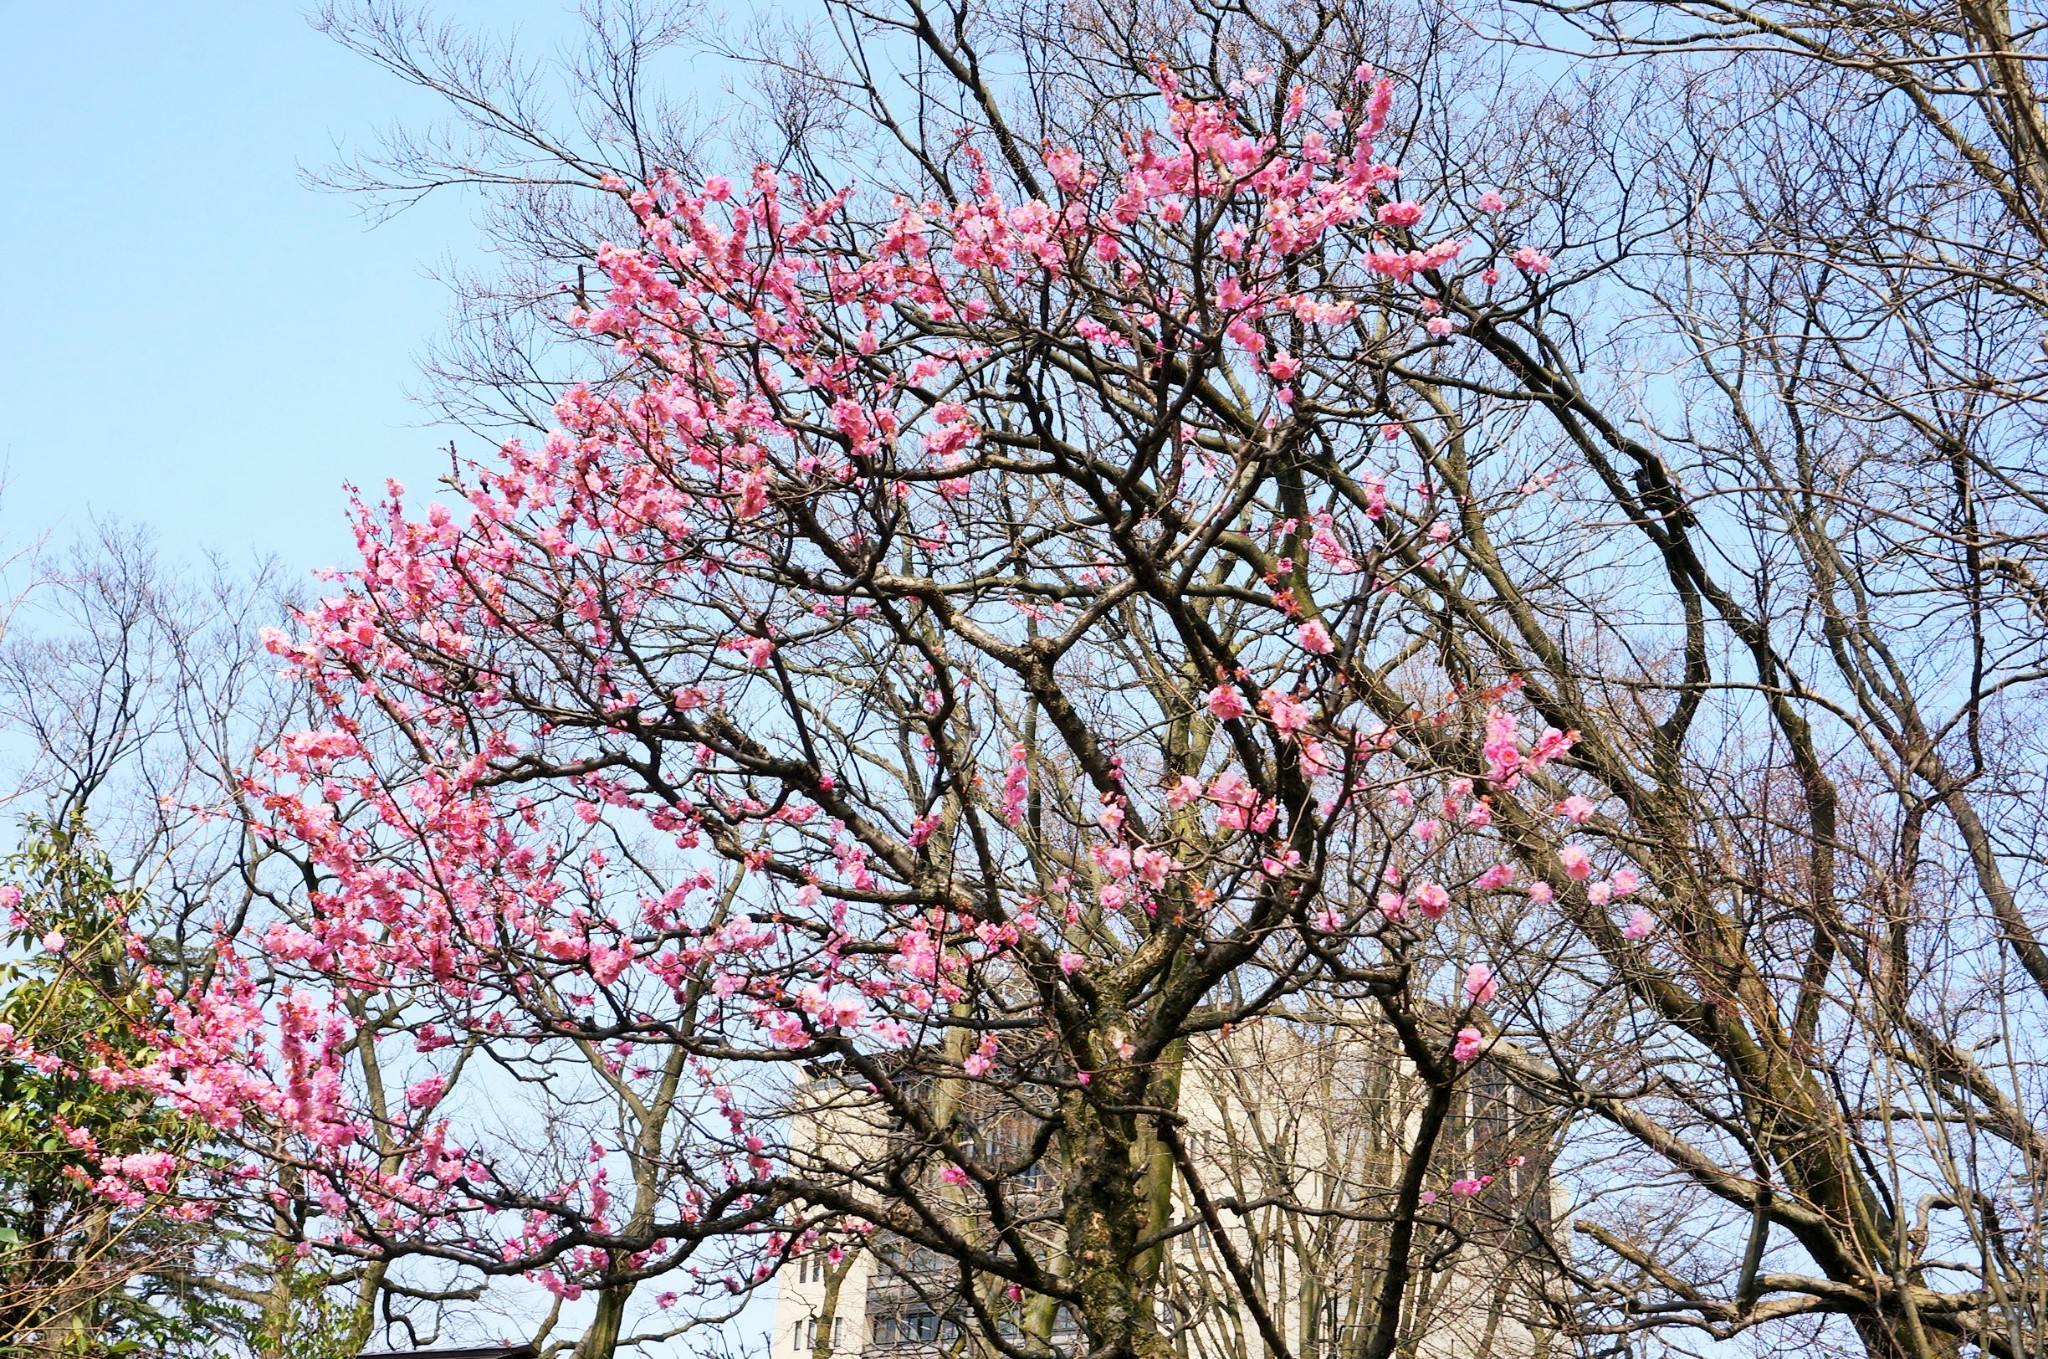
190, 338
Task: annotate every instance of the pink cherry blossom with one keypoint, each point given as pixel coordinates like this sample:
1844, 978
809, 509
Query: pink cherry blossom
1577, 863
1288, 714
1016, 785
1225, 703
1280, 866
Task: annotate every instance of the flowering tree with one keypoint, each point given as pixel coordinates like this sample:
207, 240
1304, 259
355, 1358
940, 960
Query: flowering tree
131, 695
963, 640
1134, 566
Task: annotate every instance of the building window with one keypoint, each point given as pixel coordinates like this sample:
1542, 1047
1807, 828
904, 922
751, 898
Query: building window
913, 1328
807, 1333
812, 1268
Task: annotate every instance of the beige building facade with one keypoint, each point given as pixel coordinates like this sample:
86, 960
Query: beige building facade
1300, 1134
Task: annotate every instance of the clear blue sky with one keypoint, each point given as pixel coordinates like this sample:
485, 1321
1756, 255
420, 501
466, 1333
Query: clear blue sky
189, 337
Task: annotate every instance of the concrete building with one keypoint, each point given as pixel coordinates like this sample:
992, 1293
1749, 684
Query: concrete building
1304, 1130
